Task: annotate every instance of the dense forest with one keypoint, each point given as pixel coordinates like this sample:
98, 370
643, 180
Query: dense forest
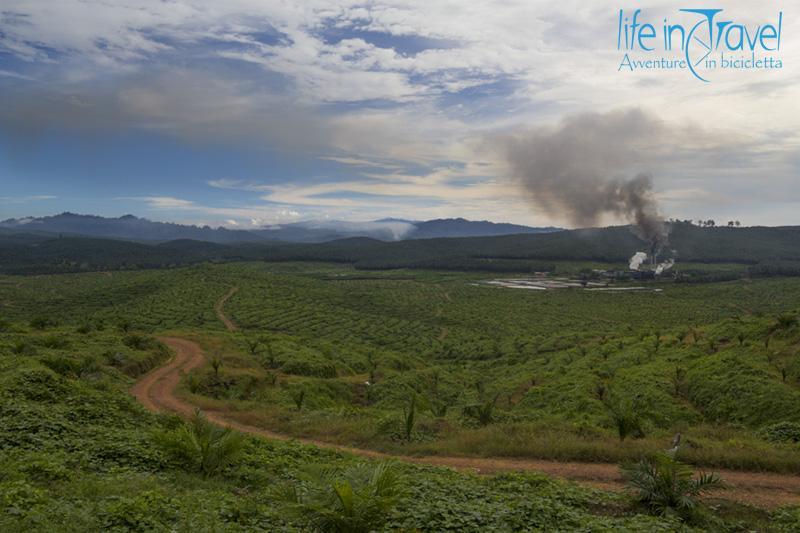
766, 250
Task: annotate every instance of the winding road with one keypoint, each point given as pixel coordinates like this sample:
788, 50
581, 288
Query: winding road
157, 391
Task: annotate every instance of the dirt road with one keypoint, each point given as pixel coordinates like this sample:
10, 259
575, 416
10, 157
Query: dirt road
156, 391
221, 314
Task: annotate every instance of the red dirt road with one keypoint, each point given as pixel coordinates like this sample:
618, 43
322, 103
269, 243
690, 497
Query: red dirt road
156, 391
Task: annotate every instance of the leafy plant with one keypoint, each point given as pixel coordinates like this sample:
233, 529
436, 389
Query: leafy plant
357, 499
23, 348
782, 432
626, 419
42, 322
54, 342
438, 407
201, 445
271, 359
298, 397
216, 364
253, 345
409, 418
193, 383
482, 413
679, 380
137, 342
785, 321
666, 486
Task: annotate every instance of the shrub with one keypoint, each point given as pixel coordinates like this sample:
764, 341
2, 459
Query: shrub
19, 497
54, 342
148, 511
138, 342
202, 446
482, 413
23, 348
42, 322
298, 397
782, 432
313, 368
46, 467
39, 384
354, 500
785, 321
68, 366
253, 345
666, 486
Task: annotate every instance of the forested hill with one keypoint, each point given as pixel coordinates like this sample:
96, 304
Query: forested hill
133, 228
31, 253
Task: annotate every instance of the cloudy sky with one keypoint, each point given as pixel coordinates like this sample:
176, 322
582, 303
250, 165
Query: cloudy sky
254, 112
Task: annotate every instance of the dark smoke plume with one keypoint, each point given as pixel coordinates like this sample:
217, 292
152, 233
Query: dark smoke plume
589, 167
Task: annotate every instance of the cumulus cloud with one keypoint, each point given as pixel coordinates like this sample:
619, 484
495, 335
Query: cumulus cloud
397, 91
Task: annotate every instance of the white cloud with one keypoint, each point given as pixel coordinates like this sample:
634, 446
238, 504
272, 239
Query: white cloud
275, 74
26, 199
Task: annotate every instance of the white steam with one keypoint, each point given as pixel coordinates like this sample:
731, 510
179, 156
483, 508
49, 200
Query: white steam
637, 260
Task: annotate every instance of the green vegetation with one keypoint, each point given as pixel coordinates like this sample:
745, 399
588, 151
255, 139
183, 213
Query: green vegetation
407, 362
720, 253
77, 453
356, 500
202, 446
667, 486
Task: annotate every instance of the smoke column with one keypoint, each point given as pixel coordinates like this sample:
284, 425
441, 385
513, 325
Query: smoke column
637, 260
584, 169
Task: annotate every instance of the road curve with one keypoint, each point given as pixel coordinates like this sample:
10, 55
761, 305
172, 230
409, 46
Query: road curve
156, 391
229, 325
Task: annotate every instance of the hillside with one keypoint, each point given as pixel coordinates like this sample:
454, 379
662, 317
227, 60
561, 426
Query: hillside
81, 455
133, 228
490, 374
759, 247
459, 227
125, 227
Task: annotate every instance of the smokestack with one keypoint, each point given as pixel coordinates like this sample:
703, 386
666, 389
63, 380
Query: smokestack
577, 170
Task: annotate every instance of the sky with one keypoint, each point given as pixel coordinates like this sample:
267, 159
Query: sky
248, 113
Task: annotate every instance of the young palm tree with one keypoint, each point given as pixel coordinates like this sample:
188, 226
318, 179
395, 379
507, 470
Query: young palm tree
482, 413
626, 419
354, 500
667, 486
409, 418
202, 445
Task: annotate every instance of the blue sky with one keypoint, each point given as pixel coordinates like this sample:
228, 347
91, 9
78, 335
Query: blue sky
248, 113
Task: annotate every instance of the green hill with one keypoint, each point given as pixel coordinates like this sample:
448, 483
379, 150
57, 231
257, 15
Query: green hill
512, 253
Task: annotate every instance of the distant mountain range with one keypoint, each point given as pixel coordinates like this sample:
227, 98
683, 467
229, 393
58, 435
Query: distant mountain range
133, 228
763, 251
